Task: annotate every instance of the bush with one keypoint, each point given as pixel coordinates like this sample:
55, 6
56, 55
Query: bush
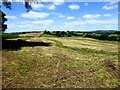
8, 35
104, 37
87, 35
47, 32
64, 34
118, 37
95, 36
113, 38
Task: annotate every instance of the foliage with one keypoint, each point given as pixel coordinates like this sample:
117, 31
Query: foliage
64, 34
47, 32
3, 26
8, 35
110, 37
113, 38
104, 37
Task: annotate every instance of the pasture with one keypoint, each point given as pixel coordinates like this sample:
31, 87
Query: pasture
59, 62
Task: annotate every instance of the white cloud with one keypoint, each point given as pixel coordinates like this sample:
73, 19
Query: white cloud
37, 6
86, 4
107, 15
58, 14
74, 23
11, 17
44, 22
114, 2
111, 5
92, 22
55, 2
71, 17
35, 15
51, 7
91, 16
74, 6
61, 16
58, 2
27, 25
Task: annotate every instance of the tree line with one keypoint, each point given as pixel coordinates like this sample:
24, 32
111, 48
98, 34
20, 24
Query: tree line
104, 36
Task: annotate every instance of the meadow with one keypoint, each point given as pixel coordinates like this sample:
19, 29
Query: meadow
48, 61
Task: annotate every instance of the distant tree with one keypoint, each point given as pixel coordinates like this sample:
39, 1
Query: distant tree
45, 31
113, 38
118, 37
58, 33
69, 34
63, 33
48, 32
23, 32
104, 36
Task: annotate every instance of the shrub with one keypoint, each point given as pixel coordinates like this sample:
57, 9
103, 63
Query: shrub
118, 37
104, 37
113, 38
8, 35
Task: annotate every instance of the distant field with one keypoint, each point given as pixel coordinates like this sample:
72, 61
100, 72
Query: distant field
64, 62
31, 34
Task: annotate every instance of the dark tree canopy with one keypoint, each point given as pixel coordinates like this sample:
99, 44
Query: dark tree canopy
3, 26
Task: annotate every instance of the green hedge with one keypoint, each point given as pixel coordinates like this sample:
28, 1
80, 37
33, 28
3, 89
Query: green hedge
8, 36
112, 37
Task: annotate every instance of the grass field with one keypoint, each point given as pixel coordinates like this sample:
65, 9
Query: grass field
64, 62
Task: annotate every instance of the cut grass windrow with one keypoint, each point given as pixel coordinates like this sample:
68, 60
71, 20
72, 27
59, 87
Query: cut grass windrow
86, 50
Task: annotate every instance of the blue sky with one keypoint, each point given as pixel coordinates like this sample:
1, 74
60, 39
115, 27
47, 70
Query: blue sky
72, 16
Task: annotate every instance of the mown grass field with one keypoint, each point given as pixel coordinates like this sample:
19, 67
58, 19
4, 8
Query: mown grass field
64, 62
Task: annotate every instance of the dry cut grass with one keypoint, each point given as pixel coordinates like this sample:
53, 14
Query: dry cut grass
67, 63
31, 34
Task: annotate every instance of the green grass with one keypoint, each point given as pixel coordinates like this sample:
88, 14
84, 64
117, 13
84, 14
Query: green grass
8, 36
96, 40
85, 50
114, 35
47, 35
59, 66
57, 43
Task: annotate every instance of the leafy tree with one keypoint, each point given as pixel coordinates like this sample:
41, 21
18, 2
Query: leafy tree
2, 21
104, 36
45, 32
113, 38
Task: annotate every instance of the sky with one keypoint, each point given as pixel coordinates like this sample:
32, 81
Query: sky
62, 16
